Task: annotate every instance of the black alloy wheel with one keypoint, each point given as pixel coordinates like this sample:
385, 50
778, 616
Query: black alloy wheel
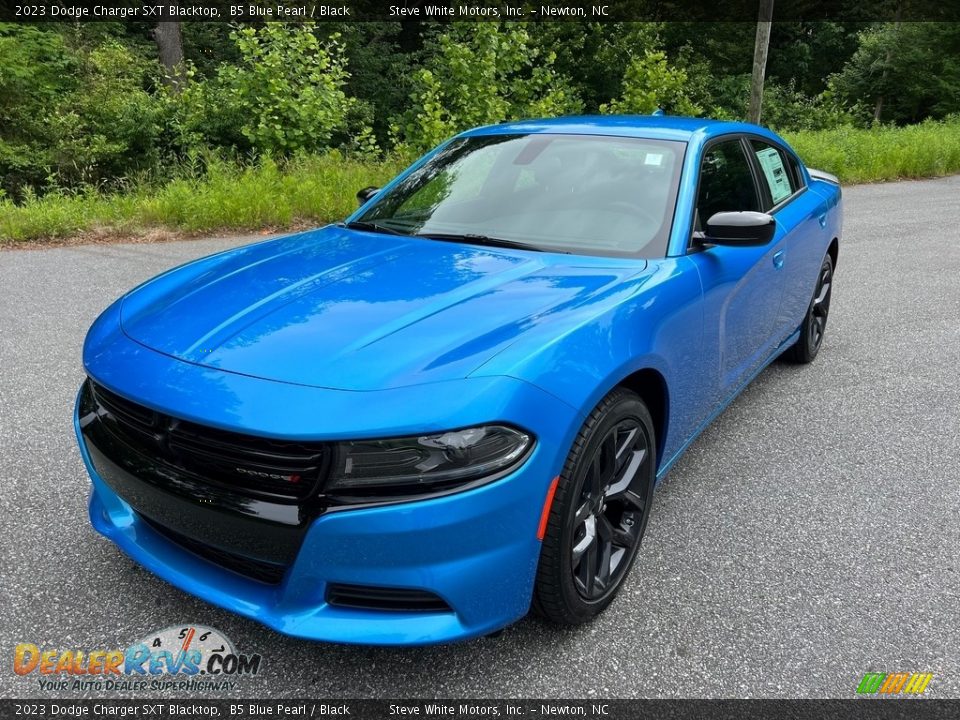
821, 306
606, 526
599, 512
814, 325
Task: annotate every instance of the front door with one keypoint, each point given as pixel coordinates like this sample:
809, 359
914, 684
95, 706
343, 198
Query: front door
742, 286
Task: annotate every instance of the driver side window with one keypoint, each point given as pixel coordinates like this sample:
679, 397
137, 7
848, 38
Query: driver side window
726, 182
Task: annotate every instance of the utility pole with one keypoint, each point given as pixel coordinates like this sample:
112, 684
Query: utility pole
760, 47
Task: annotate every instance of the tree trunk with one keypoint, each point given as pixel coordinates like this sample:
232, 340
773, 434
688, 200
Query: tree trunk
760, 47
169, 40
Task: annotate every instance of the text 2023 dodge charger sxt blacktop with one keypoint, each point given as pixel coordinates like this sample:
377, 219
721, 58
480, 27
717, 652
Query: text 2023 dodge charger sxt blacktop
413, 426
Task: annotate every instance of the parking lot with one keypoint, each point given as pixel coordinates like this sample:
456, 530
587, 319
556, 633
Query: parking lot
810, 535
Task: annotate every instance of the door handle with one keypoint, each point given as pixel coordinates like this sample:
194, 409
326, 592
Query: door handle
778, 259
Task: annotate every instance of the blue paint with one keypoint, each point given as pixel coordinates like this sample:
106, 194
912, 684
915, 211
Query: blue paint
338, 334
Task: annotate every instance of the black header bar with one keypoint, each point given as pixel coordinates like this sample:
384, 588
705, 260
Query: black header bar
40, 11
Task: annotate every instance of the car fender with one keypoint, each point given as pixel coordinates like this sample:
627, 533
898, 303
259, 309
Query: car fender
657, 325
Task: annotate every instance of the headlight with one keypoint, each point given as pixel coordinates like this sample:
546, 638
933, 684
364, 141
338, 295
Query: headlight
429, 463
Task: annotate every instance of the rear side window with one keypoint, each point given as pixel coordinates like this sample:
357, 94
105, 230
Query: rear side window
775, 171
726, 182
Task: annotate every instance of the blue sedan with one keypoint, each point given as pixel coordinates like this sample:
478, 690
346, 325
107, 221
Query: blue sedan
413, 426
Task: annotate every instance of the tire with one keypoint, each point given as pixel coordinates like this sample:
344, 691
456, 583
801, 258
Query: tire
606, 489
814, 325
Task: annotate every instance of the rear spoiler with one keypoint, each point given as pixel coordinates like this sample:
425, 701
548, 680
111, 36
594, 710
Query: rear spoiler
821, 175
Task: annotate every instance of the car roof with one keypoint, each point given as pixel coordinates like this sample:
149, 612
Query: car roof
657, 127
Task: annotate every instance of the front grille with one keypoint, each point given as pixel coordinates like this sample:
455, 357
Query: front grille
367, 597
135, 416
244, 463
265, 572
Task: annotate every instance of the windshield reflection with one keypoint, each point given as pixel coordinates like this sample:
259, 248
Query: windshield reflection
572, 193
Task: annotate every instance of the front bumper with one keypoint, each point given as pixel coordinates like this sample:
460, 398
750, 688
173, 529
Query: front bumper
476, 550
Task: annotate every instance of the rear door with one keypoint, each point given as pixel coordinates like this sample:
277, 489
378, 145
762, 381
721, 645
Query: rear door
801, 217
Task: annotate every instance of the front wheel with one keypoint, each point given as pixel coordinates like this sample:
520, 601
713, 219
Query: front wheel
814, 324
599, 511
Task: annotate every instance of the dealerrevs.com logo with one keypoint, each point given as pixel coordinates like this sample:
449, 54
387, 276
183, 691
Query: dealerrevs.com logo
902, 683
180, 657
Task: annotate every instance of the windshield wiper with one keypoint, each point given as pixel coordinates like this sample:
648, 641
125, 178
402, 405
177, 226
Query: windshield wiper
479, 240
373, 227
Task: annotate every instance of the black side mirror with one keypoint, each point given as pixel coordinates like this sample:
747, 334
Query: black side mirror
740, 229
366, 194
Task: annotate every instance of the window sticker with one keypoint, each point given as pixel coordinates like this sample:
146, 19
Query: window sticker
777, 178
653, 159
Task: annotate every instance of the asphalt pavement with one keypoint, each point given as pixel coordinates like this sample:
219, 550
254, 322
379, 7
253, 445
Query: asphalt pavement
810, 535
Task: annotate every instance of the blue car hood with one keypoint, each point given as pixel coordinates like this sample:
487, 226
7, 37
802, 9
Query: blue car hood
353, 310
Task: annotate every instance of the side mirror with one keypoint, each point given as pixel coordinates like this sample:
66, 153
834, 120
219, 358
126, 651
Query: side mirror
740, 229
366, 194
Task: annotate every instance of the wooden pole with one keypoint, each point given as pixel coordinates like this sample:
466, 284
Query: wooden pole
760, 47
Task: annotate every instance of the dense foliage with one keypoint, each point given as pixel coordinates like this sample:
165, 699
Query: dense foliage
284, 94
89, 107
478, 74
309, 190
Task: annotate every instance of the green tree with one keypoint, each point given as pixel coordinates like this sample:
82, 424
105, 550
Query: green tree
904, 72
594, 56
35, 70
74, 115
804, 54
650, 83
379, 70
289, 85
482, 73
285, 94
110, 124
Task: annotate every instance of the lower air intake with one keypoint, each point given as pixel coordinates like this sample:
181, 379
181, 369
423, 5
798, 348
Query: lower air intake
388, 599
259, 570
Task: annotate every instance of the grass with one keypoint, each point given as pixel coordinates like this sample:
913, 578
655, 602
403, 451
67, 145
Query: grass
227, 197
929, 149
317, 189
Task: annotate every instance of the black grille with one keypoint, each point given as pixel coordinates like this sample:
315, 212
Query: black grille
382, 598
135, 416
265, 572
248, 463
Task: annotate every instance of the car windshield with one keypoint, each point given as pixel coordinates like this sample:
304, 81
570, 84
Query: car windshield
585, 194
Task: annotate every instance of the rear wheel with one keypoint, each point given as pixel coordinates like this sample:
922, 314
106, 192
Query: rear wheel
814, 324
599, 511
